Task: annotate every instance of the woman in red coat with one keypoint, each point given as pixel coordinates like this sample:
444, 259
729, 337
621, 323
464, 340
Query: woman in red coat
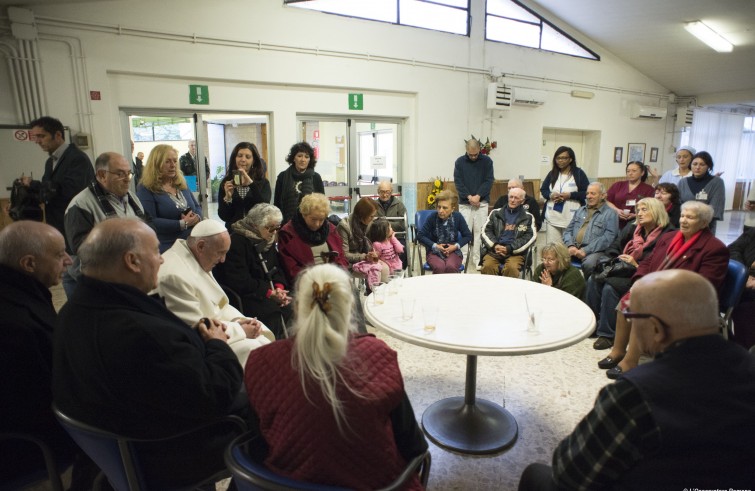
331, 403
309, 238
693, 248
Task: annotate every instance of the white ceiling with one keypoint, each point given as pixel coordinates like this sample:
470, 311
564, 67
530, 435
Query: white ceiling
650, 36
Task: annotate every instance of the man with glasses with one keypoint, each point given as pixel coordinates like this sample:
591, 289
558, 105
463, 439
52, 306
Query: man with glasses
684, 419
106, 197
392, 207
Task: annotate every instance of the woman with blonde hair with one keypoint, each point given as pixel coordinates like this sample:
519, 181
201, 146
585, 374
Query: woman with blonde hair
309, 238
166, 197
331, 403
556, 270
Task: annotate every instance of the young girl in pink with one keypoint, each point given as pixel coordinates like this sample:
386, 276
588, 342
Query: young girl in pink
385, 243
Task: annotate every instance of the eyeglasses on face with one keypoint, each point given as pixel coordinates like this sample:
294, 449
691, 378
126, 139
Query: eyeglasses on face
121, 174
629, 315
273, 228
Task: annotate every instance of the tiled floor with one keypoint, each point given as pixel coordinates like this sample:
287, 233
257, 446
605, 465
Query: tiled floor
547, 394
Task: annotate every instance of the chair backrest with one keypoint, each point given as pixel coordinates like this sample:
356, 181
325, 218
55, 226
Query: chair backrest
734, 285
105, 449
245, 458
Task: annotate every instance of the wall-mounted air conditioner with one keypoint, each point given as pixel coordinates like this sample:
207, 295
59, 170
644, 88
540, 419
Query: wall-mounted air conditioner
528, 97
638, 111
684, 117
499, 97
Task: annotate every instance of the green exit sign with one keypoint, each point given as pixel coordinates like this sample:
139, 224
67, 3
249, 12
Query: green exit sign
199, 94
356, 102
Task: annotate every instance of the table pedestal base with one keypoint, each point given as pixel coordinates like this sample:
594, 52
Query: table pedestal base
482, 427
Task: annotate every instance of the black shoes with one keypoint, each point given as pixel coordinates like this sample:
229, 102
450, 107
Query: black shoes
608, 362
614, 372
603, 343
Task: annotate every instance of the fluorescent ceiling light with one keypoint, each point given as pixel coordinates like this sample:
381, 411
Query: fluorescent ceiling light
709, 36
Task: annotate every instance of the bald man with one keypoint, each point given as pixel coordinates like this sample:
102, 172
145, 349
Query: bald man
473, 178
530, 203
682, 420
124, 363
32, 259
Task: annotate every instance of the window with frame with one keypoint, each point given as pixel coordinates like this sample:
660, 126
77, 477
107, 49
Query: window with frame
439, 15
508, 21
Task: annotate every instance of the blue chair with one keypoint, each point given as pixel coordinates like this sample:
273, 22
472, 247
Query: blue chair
245, 458
731, 293
420, 217
48, 465
118, 457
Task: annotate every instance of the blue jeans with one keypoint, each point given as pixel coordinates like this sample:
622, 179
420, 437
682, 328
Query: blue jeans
69, 284
602, 298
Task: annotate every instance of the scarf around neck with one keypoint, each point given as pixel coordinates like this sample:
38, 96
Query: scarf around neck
259, 243
313, 238
677, 248
636, 246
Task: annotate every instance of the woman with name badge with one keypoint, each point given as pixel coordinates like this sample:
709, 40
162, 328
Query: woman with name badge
704, 186
564, 190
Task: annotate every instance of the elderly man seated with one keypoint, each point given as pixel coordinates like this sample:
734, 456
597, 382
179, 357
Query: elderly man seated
508, 233
530, 203
32, 259
390, 206
190, 290
592, 229
684, 417
123, 363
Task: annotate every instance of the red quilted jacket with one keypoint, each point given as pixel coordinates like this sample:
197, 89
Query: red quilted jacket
302, 434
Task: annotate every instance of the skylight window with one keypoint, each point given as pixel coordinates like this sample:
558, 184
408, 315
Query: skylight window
508, 21
439, 15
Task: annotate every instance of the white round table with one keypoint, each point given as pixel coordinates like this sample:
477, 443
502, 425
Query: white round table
480, 315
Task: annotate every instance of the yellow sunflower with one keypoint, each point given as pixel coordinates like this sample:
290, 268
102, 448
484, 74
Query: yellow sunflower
430, 199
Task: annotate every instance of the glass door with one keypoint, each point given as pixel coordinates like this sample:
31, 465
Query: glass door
352, 154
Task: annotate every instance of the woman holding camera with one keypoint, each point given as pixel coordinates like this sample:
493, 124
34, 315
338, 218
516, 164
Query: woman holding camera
244, 185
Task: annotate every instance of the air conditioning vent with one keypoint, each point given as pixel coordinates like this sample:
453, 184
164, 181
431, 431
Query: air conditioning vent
529, 97
499, 97
684, 117
639, 111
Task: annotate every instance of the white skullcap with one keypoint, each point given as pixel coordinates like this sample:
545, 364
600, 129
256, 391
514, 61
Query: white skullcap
207, 228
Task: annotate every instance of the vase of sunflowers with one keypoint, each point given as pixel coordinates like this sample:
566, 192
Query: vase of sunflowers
433, 194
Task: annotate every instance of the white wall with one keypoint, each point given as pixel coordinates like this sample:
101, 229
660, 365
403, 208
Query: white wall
441, 106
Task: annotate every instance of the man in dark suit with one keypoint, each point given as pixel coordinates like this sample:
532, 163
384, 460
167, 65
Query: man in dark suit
68, 170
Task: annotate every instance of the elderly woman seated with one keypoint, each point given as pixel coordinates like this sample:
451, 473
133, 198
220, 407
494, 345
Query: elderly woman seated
633, 244
556, 270
251, 268
440, 235
309, 238
693, 248
331, 403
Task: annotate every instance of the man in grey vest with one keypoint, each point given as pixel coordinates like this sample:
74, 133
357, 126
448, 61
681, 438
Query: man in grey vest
106, 197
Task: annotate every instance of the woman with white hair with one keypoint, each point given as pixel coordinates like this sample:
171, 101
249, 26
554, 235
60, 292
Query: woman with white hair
693, 248
251, 268
331, 403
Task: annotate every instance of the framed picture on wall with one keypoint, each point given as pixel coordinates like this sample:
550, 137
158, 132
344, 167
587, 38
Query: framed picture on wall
618, 154
654, 154
636, 152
